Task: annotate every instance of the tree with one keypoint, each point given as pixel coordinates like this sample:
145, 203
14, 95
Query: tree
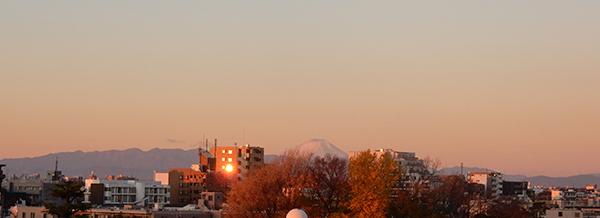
505, 207
272, 190
372, 180
538, 209
70, 193
328, 189
432, 166
450, 198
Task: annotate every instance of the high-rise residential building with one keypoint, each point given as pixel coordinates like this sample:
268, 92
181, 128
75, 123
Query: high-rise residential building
491, 181
236, 161
215, 172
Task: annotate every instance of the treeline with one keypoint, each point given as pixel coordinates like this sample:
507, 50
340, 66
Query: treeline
367, 186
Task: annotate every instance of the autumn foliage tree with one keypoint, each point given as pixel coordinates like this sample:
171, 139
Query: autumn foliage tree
373, 180
272, 190
504, 207
368, 185
328, 189
316, 184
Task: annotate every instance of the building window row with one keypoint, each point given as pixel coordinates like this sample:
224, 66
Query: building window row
120, 190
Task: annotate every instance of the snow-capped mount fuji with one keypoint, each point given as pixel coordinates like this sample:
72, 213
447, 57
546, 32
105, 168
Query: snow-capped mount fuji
320, 147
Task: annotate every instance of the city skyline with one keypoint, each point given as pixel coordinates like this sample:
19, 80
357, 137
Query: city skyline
512, 86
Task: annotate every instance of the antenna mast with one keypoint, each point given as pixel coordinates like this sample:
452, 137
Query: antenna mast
55, 176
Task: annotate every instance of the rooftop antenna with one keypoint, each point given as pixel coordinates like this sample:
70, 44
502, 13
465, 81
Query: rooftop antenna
203, 137
461, 169
55, 176
215, 154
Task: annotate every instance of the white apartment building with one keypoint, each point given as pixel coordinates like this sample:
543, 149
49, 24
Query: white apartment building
413, 168
492, 182
127, 192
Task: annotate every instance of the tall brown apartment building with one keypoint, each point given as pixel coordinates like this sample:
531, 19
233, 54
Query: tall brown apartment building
214, 172
236, 161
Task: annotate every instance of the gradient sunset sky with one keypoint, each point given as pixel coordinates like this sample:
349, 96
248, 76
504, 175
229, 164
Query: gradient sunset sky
509, 85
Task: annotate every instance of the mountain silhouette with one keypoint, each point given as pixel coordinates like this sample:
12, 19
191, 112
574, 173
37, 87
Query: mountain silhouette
142, 164
129, 162
576, 181
320, 147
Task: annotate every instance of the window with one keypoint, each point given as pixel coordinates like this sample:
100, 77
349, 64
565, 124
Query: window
230, 151
229, 160
210, 198
223, 151
577, 214
32, 215
560, 214
223, 159
24, 215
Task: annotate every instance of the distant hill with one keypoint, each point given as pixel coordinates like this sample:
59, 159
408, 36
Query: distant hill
465, 170
130, 162
142, 164
270, 158
577, 181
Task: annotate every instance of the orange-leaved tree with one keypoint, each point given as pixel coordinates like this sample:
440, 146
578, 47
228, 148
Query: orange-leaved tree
373, 180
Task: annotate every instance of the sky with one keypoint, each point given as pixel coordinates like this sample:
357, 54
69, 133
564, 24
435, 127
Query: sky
512, 86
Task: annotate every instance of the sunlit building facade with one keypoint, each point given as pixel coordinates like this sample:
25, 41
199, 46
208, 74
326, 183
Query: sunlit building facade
491, 181
236, 161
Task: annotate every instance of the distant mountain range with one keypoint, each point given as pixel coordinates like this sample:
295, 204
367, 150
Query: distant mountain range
577, 181
142, 164
130, 162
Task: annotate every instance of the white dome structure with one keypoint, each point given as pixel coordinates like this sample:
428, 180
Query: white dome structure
297, 213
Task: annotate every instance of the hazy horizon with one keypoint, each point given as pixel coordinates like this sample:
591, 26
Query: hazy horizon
444, 165
512, 85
